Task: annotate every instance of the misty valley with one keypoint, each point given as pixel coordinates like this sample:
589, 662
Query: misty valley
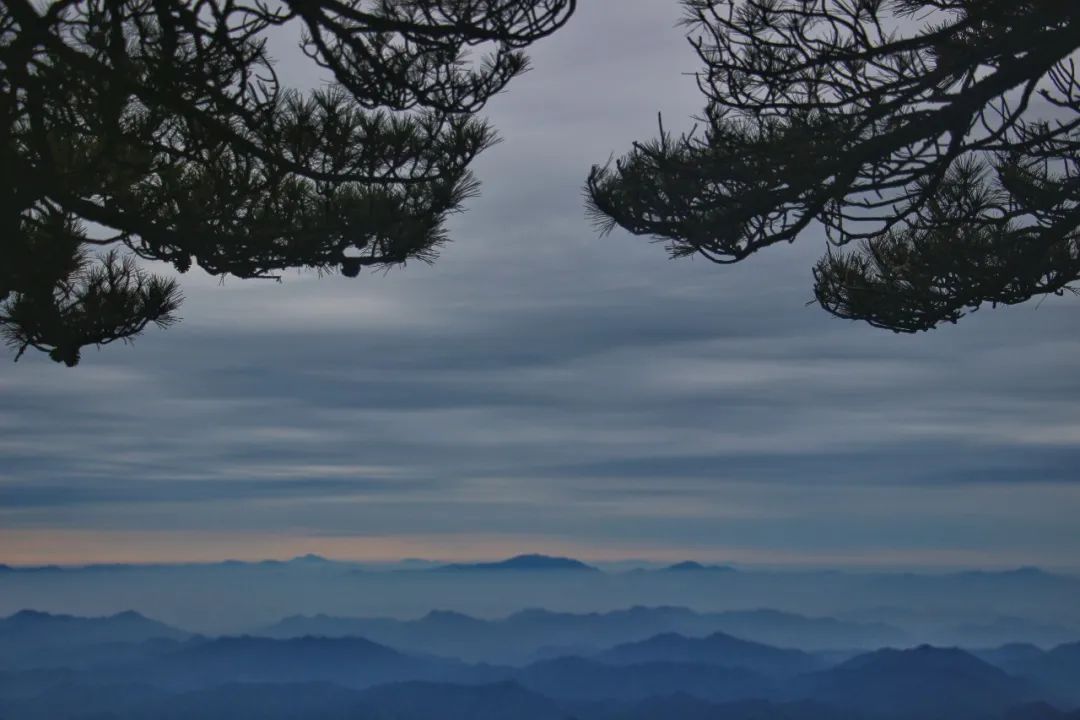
315, 638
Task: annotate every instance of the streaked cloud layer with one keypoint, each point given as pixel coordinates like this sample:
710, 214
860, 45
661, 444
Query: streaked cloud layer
542, 388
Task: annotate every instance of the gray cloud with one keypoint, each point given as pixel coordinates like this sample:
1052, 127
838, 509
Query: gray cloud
541, 381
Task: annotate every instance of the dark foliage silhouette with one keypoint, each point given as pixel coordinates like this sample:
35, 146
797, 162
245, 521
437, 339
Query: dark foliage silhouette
158, 129
937, 141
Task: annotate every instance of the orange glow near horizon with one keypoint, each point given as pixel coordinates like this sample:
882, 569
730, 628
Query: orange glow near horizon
84, 547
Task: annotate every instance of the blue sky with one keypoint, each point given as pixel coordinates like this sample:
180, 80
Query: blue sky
542, 388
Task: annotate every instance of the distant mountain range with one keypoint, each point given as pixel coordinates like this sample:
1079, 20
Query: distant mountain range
718, 649
954, 626
1055, 672
350, 662
758, 645
32, 626
522, 563
591, 680
693, 566
539, 633
665, 676
30, 638
918, 683
528, 561
850, 610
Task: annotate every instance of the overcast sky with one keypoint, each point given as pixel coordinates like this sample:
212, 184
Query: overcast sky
541, 388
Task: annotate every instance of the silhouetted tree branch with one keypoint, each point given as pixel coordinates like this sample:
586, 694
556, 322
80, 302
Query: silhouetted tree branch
907, 128
160, 126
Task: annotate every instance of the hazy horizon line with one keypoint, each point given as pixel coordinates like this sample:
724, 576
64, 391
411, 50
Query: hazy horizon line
609, 565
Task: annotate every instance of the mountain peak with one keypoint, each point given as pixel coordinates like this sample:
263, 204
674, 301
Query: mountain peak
450, 617
923, 657
524, 562
536, 562
716, 649
694, 566
32, 615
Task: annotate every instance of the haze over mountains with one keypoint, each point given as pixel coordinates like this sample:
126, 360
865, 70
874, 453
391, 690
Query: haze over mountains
539, 633
129, 667
533, 637
808, 609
